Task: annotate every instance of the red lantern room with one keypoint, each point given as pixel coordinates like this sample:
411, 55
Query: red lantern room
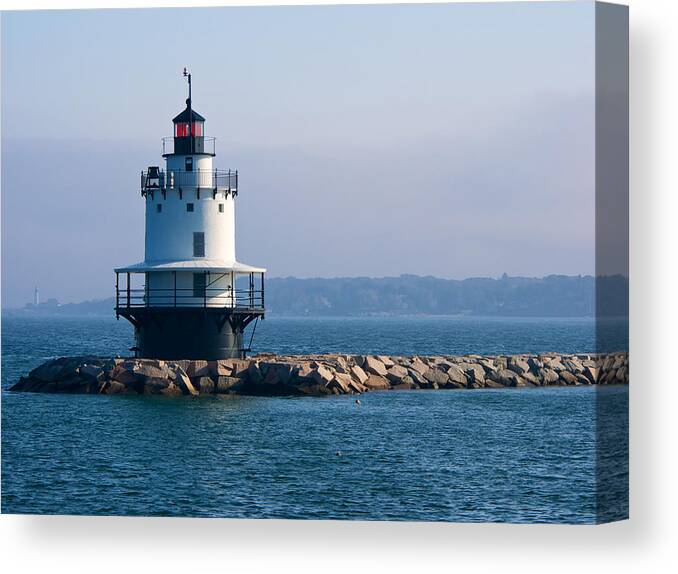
189, 132
189, 123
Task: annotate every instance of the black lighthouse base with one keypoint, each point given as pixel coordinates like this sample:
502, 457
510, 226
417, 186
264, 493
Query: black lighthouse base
174, 333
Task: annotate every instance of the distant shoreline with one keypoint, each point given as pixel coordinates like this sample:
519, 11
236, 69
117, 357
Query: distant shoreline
275, 316
411, 295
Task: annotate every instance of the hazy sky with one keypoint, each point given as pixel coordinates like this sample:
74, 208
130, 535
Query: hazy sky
450, 140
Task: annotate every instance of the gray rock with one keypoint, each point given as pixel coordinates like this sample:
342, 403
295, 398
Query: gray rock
254, 374
417, 377
592, 374
573, 365
436, 377
548, 376
184, 383
419, 366
321, 375
20, 385
229, 384
532, 379
568, 377
271, 377
457, 376
308, 386
410, 381
198, 369
491, 383
375, 383
113, 388
475, 375
151, 371
91, 373
518, 366
154, 386
285, 372
239, 366
374, 366
474, 380
359, 374
488, 365
405, 384
396, 373
69, 385
125, 374
582, 379
555, 365
47, 372
619, 361
171, 390
535, 364
205, 386
343, 382
455, 385
509, 378
221, 368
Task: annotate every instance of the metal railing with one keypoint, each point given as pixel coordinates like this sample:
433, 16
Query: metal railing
180, 297
205, 144
250, 298
216, 180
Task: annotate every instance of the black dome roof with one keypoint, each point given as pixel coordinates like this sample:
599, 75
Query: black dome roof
187, 116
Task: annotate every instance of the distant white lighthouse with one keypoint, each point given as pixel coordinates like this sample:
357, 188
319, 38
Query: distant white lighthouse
192, 299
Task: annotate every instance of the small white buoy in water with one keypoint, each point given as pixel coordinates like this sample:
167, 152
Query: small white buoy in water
357, 402
338, 453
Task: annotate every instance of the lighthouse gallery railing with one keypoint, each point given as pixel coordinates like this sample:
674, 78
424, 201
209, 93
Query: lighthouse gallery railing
207, 144
251, 298
214, 179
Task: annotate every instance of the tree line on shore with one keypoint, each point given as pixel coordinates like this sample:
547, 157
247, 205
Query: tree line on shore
551, 296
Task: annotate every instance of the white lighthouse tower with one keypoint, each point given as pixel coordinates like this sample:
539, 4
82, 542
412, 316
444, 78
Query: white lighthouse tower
191, 299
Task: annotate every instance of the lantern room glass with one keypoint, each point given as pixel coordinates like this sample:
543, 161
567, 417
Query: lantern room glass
181, 129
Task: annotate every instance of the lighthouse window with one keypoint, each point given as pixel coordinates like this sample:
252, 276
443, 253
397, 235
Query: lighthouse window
189, 164
158, 207
198, 244
181, 130
189, 207
199, 284
221, 208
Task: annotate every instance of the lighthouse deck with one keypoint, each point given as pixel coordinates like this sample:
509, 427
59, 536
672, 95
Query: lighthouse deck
230, 299
244, 300
215, 180
147, 307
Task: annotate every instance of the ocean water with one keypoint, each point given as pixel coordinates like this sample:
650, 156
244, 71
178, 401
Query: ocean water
516, 455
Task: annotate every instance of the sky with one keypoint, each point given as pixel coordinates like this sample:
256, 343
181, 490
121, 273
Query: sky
447, 140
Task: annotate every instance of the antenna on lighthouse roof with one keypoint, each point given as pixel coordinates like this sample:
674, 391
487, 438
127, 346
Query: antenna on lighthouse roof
187, 75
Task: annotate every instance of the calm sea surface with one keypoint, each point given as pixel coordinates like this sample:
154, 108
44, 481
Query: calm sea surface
519, 455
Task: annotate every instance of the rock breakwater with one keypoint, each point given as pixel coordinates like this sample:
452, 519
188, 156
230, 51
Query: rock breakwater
268, 374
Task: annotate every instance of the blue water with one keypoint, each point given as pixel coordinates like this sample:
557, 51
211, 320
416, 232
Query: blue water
518, 455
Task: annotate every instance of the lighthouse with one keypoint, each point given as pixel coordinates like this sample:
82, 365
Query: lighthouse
189, 298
